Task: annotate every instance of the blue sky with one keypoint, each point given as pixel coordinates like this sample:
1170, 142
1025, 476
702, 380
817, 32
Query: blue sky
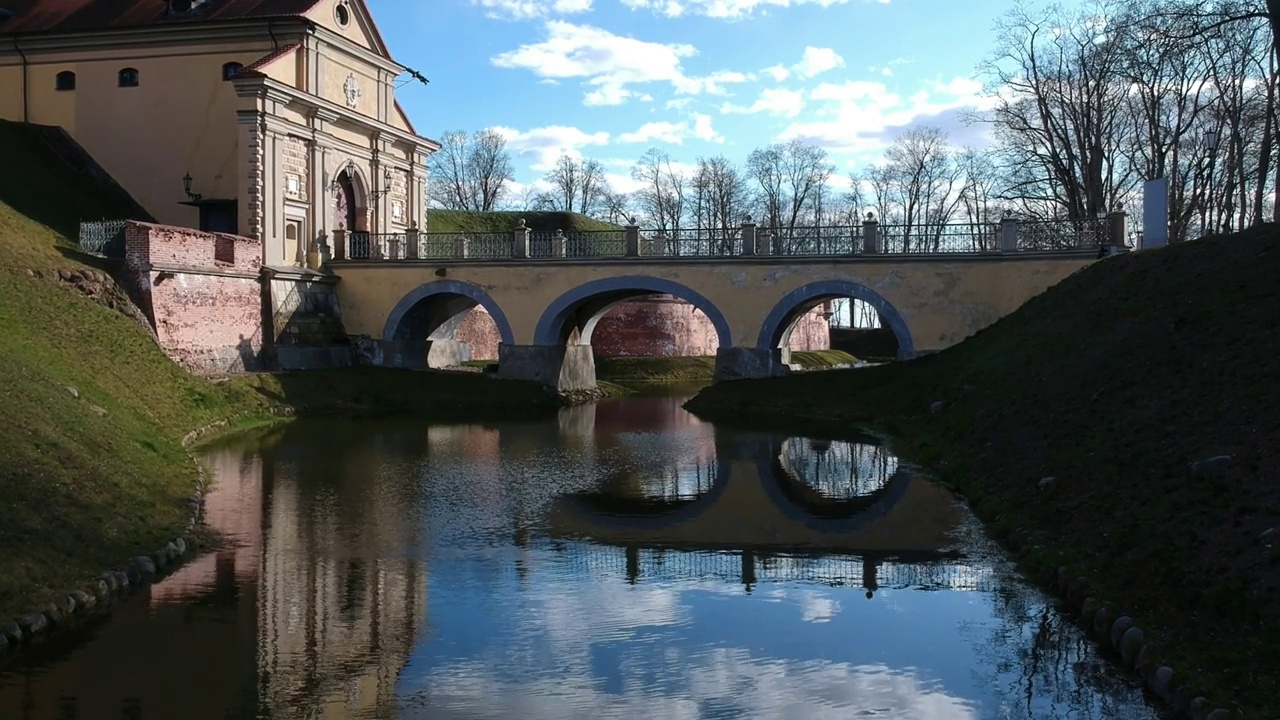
608, 79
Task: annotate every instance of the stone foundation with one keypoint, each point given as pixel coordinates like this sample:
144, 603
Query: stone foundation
565, 368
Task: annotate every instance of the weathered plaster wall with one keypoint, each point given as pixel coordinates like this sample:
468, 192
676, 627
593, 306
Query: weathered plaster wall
202, 294
941, 300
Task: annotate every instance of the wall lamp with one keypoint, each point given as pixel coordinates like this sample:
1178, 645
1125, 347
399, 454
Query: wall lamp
186, 187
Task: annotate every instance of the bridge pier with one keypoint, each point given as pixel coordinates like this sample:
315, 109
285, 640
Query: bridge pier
563, 367
734, 363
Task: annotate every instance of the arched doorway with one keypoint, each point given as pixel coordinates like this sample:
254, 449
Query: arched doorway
351, 212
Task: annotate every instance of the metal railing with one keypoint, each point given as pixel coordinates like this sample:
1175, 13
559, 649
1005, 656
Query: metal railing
950, 238
833, 240
104, 238
868, 239
1084, 234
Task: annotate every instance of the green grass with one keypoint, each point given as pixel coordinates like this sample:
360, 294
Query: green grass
1112, 382
496, 222
821, 359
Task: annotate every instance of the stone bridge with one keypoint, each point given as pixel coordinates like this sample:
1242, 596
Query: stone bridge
546, 308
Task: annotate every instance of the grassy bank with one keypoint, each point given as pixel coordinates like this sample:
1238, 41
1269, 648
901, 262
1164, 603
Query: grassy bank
1113, 383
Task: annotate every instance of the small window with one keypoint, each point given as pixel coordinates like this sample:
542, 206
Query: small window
66, 80
128, 77
342, 14
231, 70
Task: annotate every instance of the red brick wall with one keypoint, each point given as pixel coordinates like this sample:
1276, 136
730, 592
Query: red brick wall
202, 292
662, 326
480, 332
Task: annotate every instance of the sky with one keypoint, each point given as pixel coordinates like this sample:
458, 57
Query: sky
608, 79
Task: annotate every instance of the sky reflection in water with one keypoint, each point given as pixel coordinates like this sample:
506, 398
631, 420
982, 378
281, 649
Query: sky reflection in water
406, 570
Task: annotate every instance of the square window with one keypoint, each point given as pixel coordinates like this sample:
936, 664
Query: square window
292, 184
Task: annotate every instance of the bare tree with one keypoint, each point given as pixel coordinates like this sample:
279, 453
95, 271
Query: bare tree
661, 197
470, 172
917, 187
1059, 114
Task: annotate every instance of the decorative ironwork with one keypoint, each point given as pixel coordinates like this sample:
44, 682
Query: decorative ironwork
952, 238
833, 240
104, 238
466, 245
1084, 234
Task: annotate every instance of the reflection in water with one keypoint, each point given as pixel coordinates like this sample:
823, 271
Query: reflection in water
621, 560
837, 469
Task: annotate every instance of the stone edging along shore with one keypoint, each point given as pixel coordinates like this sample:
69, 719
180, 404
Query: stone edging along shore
112, 586
1120, 634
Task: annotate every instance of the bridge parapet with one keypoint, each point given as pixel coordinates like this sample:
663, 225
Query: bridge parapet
748, 240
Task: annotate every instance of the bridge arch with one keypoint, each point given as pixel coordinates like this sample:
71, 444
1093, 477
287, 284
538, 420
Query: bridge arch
778, 322
583, 306
432, 313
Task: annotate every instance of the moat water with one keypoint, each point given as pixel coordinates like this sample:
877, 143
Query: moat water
620, 560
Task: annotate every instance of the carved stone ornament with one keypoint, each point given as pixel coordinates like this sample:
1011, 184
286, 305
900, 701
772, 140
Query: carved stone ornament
351, 89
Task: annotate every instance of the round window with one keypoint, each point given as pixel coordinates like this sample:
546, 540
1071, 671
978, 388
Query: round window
342, 14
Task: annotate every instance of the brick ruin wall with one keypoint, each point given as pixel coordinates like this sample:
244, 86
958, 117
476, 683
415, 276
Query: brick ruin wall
661, 326
202, 293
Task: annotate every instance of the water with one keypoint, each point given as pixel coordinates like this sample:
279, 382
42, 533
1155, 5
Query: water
621, 560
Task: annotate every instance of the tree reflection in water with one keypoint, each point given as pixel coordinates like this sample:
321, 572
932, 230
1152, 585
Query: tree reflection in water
837, 469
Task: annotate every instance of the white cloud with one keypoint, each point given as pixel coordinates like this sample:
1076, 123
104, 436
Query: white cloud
674, 133
703, 130
610, 64
725, 9
816, 61
778, 72
666, 132
862, 116
530, 9
774, 101
541, 147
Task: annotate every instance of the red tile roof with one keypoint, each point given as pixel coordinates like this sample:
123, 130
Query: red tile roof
73, 15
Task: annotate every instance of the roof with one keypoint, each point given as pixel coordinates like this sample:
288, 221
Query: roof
30, 16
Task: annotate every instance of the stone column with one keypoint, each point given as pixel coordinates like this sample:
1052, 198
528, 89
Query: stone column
748, 238
411, 241
870, 236
632, 236
660, 244
1008, 235
764, 242
1118, 230
520, 248
339, 244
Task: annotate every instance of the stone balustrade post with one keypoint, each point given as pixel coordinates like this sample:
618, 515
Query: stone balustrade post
870, 235
1118, 231
558, 244
1008, 235
660, 244
764, 242
460, 245
748, 238
340, 244
631, 234
520, 247
411, 239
